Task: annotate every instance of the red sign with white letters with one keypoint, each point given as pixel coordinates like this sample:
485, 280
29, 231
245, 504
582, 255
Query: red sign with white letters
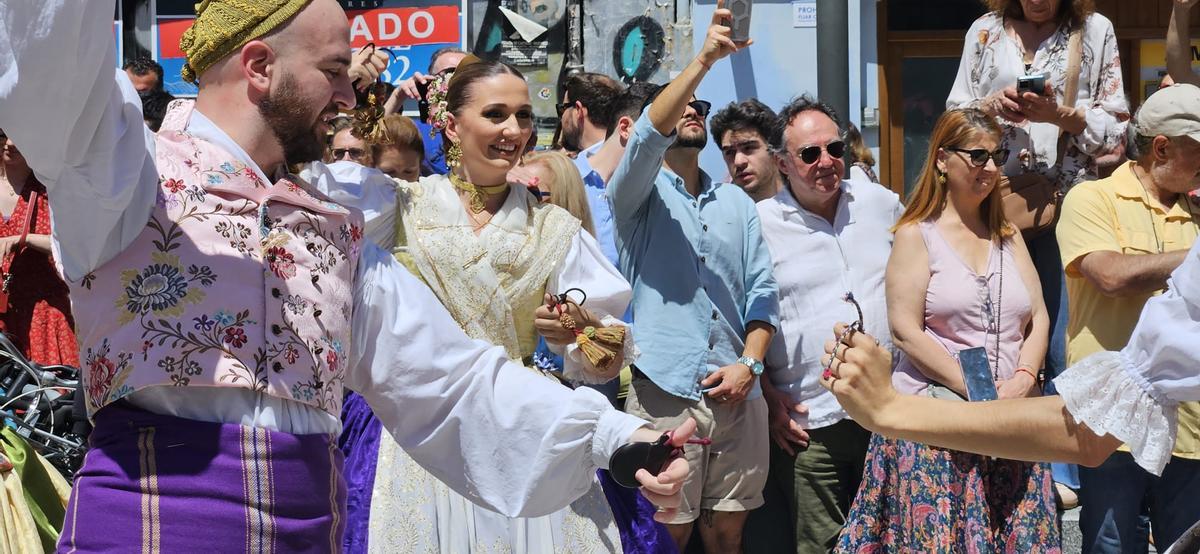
404, 26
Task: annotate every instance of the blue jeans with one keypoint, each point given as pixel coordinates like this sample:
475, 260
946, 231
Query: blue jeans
1114, 495
1048, 262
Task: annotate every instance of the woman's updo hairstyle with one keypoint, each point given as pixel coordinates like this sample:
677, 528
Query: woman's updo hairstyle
470, 71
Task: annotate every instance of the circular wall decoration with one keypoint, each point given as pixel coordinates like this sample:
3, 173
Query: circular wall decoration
638, 49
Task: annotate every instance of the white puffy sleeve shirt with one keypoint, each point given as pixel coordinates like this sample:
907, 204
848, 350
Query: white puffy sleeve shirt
584, 266
1134, 394
499, 434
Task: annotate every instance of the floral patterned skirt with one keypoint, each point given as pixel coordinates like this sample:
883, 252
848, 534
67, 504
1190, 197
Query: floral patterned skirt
917, 498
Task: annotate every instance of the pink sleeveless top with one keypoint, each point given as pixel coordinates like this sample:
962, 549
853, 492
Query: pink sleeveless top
961, 308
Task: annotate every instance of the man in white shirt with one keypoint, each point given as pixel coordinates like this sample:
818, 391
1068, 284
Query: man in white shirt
236, 460
828, 237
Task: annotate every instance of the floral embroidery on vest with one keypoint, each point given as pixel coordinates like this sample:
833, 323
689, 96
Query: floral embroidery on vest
233, 282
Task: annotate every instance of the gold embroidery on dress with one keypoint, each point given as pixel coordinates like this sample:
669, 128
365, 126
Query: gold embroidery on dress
492, 301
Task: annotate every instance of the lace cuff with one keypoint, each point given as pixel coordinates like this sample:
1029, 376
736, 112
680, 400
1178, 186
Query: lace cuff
1104, 394
577, 370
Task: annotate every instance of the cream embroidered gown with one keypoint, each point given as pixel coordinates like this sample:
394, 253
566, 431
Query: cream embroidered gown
492, 283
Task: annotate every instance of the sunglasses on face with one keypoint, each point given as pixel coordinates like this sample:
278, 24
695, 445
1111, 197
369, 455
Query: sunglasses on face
810, 154
979, 156
702, 107
355, 153
562, 107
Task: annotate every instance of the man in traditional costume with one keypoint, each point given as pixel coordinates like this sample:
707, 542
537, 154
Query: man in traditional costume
221, 305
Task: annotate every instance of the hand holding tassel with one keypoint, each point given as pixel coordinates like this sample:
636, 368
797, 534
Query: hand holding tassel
572, 323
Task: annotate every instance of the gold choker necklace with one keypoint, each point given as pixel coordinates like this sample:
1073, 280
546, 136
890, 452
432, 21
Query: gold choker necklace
476, 193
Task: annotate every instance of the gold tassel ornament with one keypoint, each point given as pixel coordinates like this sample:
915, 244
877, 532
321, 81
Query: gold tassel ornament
599, 345
368, 115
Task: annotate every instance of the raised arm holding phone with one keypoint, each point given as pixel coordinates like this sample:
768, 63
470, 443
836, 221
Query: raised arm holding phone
704, 298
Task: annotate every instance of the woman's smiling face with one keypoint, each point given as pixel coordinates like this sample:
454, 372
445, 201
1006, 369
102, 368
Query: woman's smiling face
493, 127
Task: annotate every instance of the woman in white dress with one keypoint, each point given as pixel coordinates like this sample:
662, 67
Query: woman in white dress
493, 254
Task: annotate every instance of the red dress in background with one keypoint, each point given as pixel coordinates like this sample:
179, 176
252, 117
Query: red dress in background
39, 305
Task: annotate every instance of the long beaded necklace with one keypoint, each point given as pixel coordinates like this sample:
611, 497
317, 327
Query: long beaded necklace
993, 313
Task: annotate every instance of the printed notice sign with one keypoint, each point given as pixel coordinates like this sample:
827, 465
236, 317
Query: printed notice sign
804, 13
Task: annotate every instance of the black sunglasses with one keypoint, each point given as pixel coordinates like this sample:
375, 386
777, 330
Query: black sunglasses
355, 153
810, 154
562, 107
702, 107
979, 156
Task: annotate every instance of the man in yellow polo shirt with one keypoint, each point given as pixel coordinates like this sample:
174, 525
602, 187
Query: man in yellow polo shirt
1120, 239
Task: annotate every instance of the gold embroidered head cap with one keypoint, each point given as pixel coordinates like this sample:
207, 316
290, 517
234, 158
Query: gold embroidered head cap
224, 26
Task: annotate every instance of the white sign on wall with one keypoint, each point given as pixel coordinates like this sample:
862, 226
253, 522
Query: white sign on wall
804, 13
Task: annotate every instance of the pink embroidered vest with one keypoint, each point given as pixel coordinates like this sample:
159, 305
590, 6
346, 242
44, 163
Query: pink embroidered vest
233, 283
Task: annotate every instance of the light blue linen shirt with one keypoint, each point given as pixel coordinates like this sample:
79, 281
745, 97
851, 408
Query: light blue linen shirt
698, 265
602, 219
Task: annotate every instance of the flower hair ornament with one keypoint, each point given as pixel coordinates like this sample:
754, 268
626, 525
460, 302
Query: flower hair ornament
599, 346
439, 108
436, 98
856, 327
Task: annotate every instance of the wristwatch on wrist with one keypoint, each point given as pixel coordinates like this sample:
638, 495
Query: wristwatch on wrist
756, 367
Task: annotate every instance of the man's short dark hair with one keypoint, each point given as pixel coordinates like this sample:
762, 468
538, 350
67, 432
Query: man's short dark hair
443, 51
142, 65
154, 107
797, 106
597, 92
631, 103
748, 115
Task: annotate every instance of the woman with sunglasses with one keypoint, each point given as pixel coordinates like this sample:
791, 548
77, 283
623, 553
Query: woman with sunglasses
493, 254
1048, 134
958, 278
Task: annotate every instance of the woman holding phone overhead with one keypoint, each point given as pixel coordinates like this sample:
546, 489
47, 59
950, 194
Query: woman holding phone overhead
958, 282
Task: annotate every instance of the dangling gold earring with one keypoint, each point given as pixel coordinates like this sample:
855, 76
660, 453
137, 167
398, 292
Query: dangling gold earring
453, 155
941, 178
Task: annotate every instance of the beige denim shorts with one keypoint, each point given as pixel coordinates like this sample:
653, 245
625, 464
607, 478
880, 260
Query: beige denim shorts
729, 474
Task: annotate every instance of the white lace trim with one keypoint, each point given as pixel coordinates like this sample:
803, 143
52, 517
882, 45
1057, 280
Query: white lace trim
1106, 395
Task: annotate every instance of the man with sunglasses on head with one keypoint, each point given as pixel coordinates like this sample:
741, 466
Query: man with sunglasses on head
704, 301
828, 237
1120, 239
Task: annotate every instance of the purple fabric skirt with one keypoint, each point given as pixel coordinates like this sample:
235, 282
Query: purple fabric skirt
167, 484
634, 515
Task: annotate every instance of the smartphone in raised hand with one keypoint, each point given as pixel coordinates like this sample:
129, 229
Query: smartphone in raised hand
740, 25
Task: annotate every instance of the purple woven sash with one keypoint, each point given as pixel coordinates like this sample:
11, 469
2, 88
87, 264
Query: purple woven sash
167, 484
